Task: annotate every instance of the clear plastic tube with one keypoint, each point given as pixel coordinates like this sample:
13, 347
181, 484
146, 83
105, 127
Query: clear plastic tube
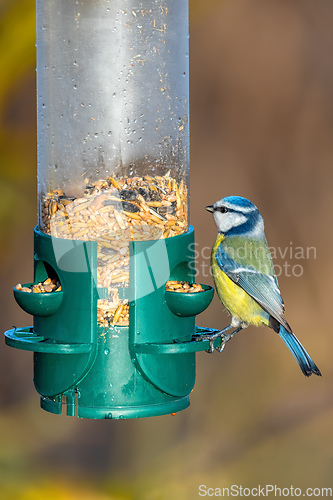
112, 87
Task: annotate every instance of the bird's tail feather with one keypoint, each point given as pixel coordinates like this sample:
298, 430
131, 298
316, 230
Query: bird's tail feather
303, 359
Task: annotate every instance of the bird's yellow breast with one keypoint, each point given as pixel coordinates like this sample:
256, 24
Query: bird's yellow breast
237, 302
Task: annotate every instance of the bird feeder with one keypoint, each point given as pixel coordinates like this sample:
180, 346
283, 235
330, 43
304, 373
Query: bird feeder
109, 340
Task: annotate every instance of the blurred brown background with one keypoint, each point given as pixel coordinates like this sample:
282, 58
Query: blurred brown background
261, 127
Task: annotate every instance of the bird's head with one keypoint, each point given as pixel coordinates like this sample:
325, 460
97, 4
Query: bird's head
235, 215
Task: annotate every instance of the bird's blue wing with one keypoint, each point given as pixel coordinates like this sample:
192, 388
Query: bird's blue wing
263, 288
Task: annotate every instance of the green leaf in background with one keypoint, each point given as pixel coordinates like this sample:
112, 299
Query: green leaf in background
17, 43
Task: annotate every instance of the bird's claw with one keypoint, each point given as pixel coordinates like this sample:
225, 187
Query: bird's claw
221, 346
213, 336
211, 347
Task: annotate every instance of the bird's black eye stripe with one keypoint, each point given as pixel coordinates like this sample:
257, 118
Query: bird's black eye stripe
223, 210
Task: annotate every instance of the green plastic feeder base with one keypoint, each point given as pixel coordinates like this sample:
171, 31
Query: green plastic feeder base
84, 370
117, 412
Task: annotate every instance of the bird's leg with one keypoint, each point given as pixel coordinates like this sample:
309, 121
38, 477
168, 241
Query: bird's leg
219, 333
225, 338
212, 336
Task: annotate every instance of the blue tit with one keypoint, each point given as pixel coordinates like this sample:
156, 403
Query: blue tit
245, 279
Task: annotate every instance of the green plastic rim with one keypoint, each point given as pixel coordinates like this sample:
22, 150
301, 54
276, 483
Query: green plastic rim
26, 339
38, 304
116, 412
189, 304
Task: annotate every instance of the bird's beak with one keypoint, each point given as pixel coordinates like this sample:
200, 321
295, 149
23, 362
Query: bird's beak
210, 208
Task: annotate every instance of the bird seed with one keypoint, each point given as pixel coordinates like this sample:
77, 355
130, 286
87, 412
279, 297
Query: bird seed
114, 212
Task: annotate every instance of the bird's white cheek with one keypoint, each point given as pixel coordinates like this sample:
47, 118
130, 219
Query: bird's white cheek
227, 221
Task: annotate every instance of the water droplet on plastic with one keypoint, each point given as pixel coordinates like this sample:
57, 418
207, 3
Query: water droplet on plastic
106, 351
75, 87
